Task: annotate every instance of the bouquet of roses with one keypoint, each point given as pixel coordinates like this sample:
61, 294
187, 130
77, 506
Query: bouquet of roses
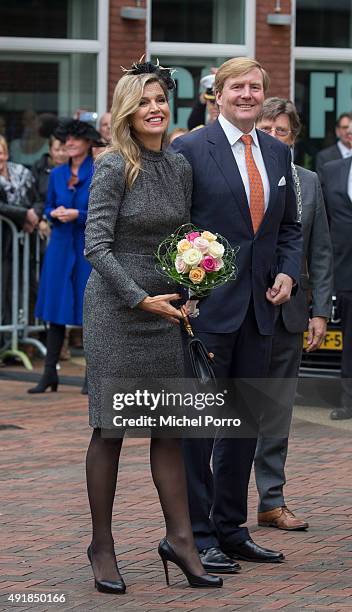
197, 259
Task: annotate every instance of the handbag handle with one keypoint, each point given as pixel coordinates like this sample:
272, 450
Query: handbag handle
185, 319
188, 328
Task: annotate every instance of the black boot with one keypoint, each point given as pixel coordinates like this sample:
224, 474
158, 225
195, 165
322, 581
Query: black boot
48, 379
55, 340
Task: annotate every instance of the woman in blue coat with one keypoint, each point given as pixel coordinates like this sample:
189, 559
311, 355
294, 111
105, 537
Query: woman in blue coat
65, 270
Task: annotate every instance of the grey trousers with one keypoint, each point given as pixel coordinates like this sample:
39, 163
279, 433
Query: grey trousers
272, 445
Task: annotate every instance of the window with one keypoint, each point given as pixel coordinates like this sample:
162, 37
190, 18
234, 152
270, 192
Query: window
323, 92
198, 21
187, 76
36, 87
323, 23
49, 19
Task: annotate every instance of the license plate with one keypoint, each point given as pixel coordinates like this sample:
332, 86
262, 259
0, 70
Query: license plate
332, 341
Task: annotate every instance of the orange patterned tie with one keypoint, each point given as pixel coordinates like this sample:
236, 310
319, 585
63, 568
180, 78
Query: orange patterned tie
256, 189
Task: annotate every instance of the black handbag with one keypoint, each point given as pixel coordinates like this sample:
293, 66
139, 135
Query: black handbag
199, 356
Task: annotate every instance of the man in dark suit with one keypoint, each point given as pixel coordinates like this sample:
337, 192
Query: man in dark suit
280, 119
232, 165
337, 188
341, 149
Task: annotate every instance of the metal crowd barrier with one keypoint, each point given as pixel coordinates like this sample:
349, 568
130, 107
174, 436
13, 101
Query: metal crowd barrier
18, 326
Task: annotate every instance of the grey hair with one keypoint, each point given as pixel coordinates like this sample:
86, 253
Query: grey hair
273, 107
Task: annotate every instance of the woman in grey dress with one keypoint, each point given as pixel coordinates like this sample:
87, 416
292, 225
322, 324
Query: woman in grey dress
139, 195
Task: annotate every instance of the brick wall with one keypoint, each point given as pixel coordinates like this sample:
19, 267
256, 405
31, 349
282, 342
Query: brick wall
273, 47
127, 40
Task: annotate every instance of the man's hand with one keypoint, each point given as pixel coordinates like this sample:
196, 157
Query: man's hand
31, 221
28, 228
32, 217
316, 333
280, 292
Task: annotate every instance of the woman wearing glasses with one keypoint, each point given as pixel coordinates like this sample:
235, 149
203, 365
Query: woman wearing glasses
65, 270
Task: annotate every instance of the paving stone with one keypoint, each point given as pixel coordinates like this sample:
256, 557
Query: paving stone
45, 520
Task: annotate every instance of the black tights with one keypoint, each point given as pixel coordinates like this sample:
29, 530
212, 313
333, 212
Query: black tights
170, 480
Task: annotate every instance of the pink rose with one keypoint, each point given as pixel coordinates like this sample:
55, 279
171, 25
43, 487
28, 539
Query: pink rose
190, 237
201, 244
209, 263
180, 265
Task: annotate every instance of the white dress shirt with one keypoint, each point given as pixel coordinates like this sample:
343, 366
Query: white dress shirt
345, 152
233, 135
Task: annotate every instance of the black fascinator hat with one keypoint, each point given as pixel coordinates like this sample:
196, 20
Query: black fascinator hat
164, 74
79, 129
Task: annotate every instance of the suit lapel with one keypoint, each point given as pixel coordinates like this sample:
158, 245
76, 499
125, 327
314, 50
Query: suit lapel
344, 173
222, 154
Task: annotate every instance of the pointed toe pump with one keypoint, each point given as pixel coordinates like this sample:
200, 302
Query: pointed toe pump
116, 587
167, 553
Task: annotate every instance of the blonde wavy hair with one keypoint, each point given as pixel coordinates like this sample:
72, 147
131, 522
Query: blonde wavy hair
127, 96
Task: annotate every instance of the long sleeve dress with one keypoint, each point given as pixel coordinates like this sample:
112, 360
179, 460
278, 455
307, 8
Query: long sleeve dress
65, 270
124, 228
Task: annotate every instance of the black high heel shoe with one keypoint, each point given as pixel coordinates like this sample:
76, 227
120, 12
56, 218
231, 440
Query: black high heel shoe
168, 554
116, 587
48, 379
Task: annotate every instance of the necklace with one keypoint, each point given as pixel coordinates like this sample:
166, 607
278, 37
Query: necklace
298, 192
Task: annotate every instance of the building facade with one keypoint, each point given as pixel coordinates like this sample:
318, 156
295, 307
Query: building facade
66, 55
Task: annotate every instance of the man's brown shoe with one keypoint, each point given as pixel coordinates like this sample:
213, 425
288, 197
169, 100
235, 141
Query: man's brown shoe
281, 518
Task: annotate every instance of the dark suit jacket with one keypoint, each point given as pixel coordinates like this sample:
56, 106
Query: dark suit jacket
316, 272
219, 204
326, 155
339, 210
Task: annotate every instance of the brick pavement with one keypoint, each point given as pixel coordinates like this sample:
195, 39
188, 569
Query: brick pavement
46, 524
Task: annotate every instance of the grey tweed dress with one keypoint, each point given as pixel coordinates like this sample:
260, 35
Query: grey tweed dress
123, 230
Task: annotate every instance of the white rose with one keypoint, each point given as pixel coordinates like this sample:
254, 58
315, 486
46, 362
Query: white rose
192, 257
216, 249
201, 244
180, 265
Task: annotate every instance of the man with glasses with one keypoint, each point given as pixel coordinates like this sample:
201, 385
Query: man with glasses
280, 119
340, 150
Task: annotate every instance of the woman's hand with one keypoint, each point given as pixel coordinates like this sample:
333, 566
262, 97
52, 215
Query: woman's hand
160, 305
44, 229
64, 215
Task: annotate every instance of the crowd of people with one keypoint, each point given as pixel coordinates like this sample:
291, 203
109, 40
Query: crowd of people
232, 172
